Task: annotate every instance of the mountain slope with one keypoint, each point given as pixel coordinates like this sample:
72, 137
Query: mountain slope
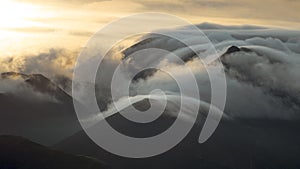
37, 109
19, 153
236, 143
39, 83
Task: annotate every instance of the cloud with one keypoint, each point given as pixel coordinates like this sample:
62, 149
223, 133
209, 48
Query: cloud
70, 2
186, 5
56, 64
253, 11
33, 29
16, 87
261, 79
81, 33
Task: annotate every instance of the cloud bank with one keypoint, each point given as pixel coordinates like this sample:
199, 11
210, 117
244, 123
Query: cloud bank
261, 72
56, 64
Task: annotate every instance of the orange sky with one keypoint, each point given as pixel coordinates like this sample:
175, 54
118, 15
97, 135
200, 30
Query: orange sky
27, 26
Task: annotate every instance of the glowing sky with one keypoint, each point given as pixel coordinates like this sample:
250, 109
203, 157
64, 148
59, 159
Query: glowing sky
34, 25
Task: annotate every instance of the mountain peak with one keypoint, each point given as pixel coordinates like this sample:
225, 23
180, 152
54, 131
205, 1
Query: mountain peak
39, 83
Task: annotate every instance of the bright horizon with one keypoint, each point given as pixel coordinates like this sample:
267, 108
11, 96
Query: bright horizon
29, 26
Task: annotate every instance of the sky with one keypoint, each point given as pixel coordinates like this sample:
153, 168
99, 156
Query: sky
33, 26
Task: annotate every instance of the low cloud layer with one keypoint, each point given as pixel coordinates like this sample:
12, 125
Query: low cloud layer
261, 77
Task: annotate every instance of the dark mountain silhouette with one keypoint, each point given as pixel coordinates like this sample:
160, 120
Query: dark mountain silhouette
233, 49
20, 153
42, 120
235, 144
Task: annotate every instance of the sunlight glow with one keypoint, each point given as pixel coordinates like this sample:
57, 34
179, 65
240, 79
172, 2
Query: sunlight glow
17, 15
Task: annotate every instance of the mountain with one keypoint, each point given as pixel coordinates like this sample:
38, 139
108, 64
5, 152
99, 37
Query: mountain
36, 109
235, 144
39, 83
20, 153
233, 49
179, 157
